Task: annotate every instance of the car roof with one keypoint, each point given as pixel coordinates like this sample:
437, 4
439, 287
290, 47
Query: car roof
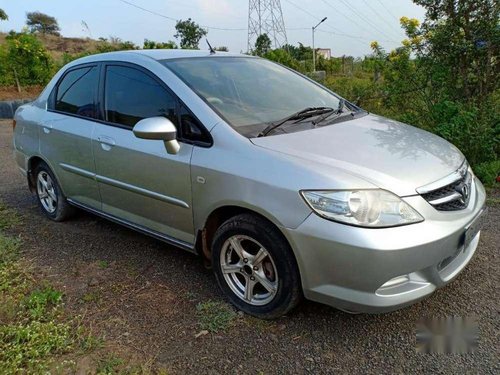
156, 54
165, 54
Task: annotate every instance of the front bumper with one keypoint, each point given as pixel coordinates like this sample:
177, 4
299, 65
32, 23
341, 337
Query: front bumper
379, 270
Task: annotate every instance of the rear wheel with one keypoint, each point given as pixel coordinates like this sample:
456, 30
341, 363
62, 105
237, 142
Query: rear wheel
255, 267
50, 198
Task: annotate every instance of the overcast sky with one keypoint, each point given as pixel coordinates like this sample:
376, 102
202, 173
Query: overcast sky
351, 24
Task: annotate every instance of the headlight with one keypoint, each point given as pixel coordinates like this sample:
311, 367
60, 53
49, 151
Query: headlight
364, 208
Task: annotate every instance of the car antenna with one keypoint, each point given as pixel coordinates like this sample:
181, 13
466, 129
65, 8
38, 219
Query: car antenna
212, 51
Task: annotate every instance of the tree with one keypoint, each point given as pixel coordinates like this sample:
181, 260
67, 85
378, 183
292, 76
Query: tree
464, 37
262, 45
222, 49
300, 53
43, 23
24, 60
3, 15
444, 77
151, 44
189, 33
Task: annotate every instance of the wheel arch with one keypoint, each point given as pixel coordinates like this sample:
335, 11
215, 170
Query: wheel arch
218, 216
32, 163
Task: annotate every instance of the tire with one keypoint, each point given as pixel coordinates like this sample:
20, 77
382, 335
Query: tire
50, 198
255, 267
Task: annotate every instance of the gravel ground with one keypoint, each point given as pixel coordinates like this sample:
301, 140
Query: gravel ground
141, 295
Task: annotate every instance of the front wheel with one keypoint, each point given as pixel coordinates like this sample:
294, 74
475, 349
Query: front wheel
255, 267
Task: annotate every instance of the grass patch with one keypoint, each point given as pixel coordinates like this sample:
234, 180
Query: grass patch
36, 337
8, 217
493, 201
109, 365
30, 331
215, 316
41, 300
92, 297
29, 345
33, 331
103, 264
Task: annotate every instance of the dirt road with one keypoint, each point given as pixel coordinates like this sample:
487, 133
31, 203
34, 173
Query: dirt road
142, 297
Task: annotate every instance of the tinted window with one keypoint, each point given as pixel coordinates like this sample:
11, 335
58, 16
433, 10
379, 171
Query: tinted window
191, 128
131, 95
76, 92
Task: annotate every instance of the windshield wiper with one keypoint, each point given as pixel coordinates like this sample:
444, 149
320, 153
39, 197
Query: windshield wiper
305, 113
340, 109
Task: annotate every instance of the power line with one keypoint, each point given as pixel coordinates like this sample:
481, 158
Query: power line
382, 18
388, 11
337, 9
335, 30
360, 15
174, 19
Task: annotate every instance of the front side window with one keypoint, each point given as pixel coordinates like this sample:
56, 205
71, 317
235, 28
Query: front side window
132, 95
77, 91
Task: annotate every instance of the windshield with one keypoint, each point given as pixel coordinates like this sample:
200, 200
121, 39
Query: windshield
249, 91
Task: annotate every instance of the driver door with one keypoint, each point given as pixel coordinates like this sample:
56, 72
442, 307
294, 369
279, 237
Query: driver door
139, 182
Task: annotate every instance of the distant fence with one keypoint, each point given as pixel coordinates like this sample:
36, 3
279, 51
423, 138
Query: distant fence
8, 108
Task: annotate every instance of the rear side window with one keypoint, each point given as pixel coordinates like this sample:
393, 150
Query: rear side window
131, 95
76, 92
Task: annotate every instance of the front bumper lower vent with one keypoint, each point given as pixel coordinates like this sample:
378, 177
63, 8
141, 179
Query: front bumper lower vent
451, 193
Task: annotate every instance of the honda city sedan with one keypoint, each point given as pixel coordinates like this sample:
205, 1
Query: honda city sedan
287, 189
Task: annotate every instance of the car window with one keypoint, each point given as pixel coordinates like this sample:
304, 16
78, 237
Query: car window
250, 91
132, 95
77, 91
191, 129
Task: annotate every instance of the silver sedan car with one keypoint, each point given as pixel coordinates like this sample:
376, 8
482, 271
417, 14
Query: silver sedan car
287, 189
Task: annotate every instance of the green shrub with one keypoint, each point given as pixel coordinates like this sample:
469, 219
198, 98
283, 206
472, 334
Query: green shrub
488, 172
24, 56
468, 128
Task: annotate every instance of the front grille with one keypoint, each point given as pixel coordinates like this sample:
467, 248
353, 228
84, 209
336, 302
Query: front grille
453, 195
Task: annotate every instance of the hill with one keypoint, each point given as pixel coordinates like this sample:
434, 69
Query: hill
59, 45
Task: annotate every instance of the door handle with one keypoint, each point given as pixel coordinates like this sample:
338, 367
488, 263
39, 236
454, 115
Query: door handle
106, 142
47, 127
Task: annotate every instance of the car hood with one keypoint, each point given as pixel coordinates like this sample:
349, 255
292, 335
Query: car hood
391, 155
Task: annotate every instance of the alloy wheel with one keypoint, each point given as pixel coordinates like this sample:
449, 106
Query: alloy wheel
46, 192
249, 270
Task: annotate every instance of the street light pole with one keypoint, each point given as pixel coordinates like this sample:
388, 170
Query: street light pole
314, 48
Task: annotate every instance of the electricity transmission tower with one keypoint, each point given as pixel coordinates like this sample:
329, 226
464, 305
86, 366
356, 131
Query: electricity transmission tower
266, 17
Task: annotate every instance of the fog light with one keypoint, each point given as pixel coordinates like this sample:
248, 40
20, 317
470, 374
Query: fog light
398, 280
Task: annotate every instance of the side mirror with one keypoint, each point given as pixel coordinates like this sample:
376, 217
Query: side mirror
159, 128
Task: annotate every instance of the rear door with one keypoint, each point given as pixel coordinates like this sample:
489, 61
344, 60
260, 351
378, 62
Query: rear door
138, 180
66, 133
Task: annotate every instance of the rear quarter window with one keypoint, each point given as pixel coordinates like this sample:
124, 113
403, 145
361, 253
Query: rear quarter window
76, 92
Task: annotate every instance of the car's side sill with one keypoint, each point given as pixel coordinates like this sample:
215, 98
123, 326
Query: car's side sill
152, 233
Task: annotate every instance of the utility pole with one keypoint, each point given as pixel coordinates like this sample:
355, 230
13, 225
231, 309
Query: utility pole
314, 48
266, 17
